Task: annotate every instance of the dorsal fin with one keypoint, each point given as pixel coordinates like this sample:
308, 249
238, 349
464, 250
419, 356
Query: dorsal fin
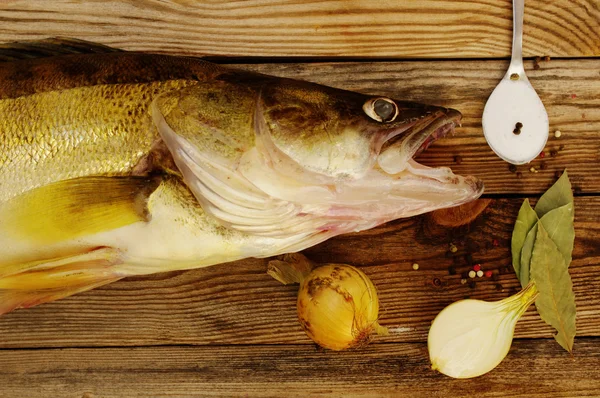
50, 47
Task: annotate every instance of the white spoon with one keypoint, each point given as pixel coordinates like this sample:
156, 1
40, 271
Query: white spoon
515, 122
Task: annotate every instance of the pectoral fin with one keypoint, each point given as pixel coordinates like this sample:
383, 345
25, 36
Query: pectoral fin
53, 279
78, 207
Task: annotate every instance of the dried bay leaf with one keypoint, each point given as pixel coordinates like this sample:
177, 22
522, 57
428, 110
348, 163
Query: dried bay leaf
526, 254
556, 196
556, 301
559, 224
542, 246
526, 219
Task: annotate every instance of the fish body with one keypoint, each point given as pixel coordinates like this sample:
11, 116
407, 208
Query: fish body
115, 164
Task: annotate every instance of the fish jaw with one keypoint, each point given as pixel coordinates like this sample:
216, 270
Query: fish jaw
396, 153
416, 190
400, 186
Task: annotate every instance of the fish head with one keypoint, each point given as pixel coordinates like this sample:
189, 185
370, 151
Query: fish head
288, 158
361, 147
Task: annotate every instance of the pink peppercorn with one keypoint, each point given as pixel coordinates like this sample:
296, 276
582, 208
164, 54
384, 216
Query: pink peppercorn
542, 155
495, 242
488, 274
477, 267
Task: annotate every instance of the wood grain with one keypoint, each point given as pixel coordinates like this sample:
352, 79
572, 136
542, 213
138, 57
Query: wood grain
351, 28
533, 368
568, 88
238, 303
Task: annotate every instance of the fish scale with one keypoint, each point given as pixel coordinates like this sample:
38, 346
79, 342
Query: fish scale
75, 133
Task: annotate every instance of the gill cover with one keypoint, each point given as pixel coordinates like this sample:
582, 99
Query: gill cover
210, 131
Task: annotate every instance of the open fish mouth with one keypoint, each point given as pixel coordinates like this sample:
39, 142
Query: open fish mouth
399, 186
399, 149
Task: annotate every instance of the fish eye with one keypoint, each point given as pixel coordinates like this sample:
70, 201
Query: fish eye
381, 109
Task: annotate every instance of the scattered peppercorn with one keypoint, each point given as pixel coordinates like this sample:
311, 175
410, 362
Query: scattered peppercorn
458, 159
557, 134
512, 168
472, 274
543, 166
452, 270
488, 274
436, 282
453, 248
532, 169
514, 76
519, 175
463, 281
495, 243
499, 287
479, 273
542, 155
495, 277
553, 153
558, 174
477, 267
415, 266
472, 284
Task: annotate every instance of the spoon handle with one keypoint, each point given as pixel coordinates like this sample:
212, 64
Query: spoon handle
517, 44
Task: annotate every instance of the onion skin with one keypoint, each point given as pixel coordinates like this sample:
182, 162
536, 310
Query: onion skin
338, 307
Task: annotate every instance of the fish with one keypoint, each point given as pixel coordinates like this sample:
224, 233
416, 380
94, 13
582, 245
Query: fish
116, 163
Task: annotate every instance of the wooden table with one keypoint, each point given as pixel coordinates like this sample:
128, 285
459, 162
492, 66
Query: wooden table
231, 330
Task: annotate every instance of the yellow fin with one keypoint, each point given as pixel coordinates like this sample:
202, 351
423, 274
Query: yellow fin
58, 278
78, 207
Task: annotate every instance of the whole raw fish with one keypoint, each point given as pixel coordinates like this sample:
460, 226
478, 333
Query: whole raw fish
115, 164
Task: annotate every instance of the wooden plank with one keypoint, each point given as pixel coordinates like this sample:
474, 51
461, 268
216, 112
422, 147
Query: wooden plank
237, 303
357, 28
568, 88
534, 368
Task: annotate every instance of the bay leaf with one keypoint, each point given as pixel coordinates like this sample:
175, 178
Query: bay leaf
557, 195
526, 219
558, 223
526, 254
556, 301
